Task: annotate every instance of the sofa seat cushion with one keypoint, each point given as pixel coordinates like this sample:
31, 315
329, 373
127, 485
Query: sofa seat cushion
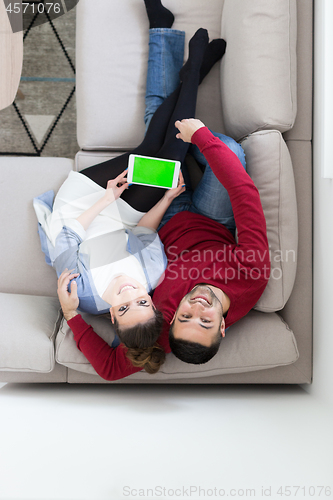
256, 342
258, 72
269, 165
28, 327
22, 266
112, 69
85, 159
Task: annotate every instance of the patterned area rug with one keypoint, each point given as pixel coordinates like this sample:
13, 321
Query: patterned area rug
42, 119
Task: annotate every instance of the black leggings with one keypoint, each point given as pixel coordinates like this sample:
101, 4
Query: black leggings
160, 141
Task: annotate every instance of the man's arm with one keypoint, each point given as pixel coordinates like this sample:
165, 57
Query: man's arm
109, 363
244, 196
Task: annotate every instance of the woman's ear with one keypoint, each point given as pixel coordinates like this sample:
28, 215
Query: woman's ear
112, 317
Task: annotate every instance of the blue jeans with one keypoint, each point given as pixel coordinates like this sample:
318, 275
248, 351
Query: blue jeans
210, 198
165, 59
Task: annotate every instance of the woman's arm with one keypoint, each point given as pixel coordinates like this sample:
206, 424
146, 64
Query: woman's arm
153, 218
112, 193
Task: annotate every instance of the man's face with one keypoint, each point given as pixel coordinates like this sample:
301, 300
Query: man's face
199, 316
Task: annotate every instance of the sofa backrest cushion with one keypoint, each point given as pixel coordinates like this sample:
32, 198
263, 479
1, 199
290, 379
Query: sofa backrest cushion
256, 342
269, 165
258, 71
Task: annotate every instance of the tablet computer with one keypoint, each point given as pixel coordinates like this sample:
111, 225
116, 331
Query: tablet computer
155, 172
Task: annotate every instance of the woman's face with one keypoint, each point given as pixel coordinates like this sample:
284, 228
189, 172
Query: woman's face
130, 301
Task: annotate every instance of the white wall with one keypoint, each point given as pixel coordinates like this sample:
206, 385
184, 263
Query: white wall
323, 203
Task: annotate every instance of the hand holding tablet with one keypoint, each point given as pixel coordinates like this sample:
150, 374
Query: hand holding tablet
154, 172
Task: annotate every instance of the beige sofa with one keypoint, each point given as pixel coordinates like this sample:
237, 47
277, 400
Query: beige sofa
261, 94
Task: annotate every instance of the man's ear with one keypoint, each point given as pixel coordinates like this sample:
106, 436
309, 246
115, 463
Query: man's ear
112, 317
173, 319
223, 328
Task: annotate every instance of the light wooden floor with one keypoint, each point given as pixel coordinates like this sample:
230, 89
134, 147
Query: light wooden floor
11, 58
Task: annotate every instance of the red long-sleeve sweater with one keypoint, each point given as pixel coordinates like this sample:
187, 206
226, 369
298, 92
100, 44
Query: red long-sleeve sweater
200, 250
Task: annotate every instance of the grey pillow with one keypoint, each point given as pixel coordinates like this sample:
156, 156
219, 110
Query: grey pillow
28, 327
269, 165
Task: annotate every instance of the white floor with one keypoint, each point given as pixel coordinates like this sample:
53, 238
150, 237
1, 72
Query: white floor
101, 442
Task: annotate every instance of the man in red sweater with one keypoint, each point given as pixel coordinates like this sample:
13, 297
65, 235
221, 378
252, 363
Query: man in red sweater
211, 281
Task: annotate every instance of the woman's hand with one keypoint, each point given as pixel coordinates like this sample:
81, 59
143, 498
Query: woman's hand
187, 127
171, 194
153, 218
113, 191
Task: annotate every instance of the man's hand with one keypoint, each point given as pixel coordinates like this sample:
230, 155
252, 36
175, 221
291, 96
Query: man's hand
69, 301
187, 127
171, 194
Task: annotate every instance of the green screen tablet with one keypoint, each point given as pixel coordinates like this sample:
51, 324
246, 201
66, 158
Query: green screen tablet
156, 172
